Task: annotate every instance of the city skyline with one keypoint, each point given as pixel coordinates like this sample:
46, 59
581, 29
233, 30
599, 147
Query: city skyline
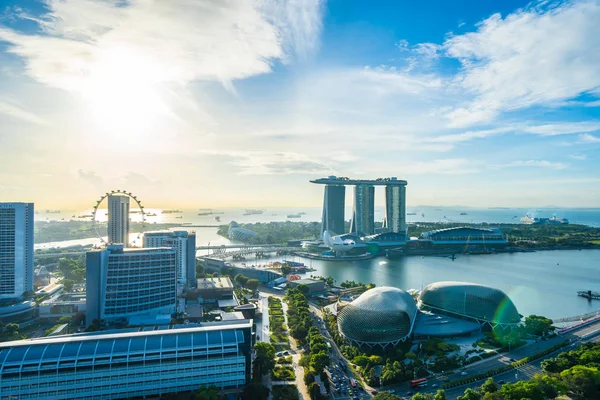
477, 105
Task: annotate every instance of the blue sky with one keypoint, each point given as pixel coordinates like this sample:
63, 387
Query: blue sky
240, 103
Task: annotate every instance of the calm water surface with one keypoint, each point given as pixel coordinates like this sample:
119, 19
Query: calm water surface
544, 282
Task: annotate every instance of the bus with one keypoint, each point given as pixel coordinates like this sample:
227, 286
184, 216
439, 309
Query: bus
418, 382
353, 383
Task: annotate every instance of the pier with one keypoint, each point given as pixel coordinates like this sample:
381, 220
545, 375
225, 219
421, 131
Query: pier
588, 294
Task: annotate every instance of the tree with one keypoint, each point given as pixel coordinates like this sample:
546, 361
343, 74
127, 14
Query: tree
314, 390
489, 386
538, 325
252, 284
285, 269
582, 381
386, 396
240, 280
440, 395
422, 396
304, 289
68, 284
207, 393
256, 391
265, 357
470, 394
11, 329
319, 361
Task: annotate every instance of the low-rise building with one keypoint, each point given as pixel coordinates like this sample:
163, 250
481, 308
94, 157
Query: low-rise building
140, 362
63, 305
217, 290
315, 286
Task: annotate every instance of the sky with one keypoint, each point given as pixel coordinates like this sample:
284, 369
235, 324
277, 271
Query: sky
223, 103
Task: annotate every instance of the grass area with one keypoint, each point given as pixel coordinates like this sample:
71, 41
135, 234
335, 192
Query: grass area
275, 312
275, 305
595, 241
284, 360
283, 374
278, 337
285, 392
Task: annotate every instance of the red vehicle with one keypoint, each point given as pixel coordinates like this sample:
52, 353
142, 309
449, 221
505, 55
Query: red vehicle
418, 382
353, 383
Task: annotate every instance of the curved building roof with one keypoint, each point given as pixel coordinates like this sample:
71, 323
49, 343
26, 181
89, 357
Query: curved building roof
380, 316
471, 300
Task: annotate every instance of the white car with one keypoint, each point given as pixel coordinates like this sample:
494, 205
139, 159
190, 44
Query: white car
464, 373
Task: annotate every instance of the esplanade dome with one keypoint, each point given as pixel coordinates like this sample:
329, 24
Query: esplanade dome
470, 300
380, 316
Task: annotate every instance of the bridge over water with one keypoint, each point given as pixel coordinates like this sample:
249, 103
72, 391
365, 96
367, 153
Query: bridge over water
242, 250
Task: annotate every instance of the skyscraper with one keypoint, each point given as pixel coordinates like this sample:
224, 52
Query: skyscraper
118, 219
16, 249
363, 215
184, 244
333, 209
123, 283
395, 208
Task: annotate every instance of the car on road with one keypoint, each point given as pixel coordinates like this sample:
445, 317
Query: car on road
512, 360
464, 373
373, 391
391, 391
502, 382
434, 385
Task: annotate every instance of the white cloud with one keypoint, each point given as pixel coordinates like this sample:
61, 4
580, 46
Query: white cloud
90, 177
534, 163
448, 166
578, 156
595, 103
428, 50
587, 138
402, 45
173, 41
532, 57
16, 111
563, 128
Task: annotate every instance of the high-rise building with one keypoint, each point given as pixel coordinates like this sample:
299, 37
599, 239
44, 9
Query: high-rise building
333, 209
395, 208
16, 249
128, 363
122, 283
118, 219
184, 244
363, 214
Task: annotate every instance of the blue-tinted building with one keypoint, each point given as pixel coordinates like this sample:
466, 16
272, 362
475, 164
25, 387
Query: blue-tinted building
128, 363
126, 282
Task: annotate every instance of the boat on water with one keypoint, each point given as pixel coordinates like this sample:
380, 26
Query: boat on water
181, 216
294, 216
151, 215
217, 218
554, 220
52, 211
205, 213
463, 213
85, 216
411, 213
253, 211
172, 211
423, 215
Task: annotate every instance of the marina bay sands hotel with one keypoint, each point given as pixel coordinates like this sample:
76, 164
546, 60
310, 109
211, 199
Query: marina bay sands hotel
363, 213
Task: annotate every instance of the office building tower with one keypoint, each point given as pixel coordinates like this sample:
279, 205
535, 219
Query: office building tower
363, 215
395, 208
128, 363
118, 219
333, 209
16, 249
122, 283
184, 244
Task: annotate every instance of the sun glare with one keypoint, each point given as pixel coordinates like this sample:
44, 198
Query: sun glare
122, 93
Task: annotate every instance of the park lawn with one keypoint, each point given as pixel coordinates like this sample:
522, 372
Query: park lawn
285, 392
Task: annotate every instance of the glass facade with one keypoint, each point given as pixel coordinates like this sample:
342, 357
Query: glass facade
333, 210
118, 219
363, 218
395, 208
16, 249
470, 300
129, 363
380, 316
184, 244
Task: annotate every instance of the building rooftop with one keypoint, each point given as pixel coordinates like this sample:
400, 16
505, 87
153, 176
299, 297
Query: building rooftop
118, 248
214, 283
307, 281
334, 180
134, 332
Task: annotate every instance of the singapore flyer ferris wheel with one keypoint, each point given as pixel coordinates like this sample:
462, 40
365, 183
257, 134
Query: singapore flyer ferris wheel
97, 225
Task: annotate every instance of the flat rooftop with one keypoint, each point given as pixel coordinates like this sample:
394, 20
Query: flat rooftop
334, 180
214, 283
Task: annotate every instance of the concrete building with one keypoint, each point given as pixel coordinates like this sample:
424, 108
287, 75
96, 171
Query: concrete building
118, 219
16, 249
395, 208
315, 286
128, 363
334, 203
122, 283
184, 244
363, 215
214, 290
218, 265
